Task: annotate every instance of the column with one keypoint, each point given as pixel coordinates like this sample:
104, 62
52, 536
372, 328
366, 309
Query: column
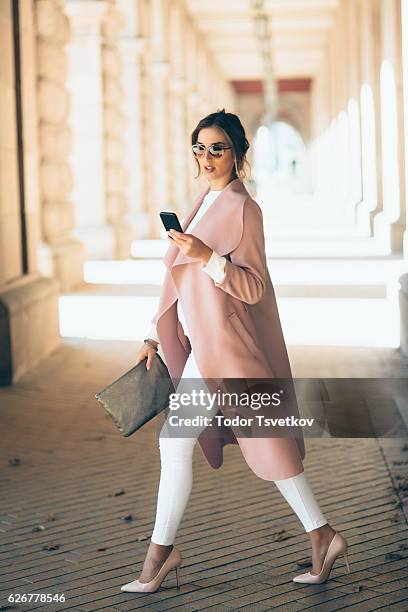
193, 100
135, 158
56, 182
97, 124
404, 52
389, 224
28, 302
179, 130
159, 154
181, 146
370, 116
353, 107
403, 292
159, 149
86, 119
115, 126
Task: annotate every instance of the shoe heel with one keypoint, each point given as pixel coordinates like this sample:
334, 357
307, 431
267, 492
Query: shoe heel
177, 568
347, 563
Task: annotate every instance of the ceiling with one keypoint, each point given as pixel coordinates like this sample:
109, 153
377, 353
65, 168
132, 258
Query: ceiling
299, 34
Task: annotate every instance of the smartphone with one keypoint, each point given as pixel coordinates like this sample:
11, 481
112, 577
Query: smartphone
170, 221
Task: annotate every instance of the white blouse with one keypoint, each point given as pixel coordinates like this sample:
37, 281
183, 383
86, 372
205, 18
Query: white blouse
215, 266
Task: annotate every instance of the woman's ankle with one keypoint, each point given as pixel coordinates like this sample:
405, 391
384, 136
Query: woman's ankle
322, 533
159, 551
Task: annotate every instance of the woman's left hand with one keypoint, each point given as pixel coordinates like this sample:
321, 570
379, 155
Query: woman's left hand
190, 245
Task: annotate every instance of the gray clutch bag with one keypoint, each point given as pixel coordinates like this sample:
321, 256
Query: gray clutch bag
139, 395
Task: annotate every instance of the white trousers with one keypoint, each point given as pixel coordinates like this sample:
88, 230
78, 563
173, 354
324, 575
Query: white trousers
176, 477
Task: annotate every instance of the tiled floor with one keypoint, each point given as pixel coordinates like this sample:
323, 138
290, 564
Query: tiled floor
76, 480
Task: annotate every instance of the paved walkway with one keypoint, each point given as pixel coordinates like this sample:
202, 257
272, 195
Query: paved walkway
78, 502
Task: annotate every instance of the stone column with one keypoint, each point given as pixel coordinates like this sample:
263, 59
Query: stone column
53, 31
404, 50
180, 143
370, 116
159, 186
194, 185
86, 119
114, 129
337, 133
135, 158
344, 121
192, 101
403, 292
354, 114
159, 171
28, 302
98, 125
321, 104
389, 224
179, 132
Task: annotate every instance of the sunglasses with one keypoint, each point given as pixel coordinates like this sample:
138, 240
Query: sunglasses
215, 150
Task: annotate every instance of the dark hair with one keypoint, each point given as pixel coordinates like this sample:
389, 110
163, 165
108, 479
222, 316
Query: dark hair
235, 133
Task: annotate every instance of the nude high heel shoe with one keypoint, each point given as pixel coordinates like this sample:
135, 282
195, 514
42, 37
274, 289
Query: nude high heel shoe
337, 547
173, 561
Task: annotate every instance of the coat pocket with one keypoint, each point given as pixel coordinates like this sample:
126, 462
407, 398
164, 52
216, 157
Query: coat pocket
244, 335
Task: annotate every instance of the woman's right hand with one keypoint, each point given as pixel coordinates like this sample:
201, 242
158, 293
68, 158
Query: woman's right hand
146, 352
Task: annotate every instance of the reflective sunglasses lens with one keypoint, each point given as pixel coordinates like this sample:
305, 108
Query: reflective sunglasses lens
198, 149
216, 151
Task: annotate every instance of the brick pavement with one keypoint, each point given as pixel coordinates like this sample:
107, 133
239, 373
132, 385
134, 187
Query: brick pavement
78, 478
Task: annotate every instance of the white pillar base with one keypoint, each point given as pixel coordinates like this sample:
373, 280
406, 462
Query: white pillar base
388, 234
363, 218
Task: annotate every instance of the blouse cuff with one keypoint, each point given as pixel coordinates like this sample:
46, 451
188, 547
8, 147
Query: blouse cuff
215, 267
153, 333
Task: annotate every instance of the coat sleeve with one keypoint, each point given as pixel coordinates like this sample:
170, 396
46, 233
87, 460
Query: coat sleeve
245, 274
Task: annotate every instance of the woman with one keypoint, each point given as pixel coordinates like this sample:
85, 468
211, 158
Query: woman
218, 319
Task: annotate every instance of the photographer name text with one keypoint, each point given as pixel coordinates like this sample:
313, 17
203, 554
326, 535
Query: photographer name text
258, 420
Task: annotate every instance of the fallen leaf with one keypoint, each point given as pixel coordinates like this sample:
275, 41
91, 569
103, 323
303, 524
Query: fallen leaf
15, 461
50, 547
282, 538
117, 493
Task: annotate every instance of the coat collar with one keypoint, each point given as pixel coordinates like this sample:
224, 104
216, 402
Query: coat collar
220, 227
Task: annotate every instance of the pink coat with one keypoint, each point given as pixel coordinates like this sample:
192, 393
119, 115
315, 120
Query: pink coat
234, 325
